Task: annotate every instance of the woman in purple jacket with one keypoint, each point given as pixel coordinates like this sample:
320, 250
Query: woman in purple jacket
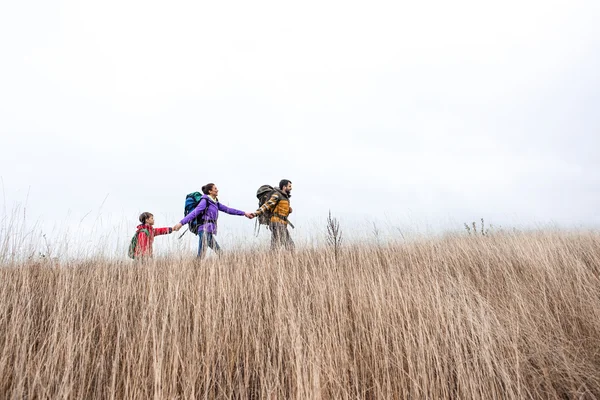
208, 229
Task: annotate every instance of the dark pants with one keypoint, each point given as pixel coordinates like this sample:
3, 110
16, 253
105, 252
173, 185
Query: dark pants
207, 239
280, 237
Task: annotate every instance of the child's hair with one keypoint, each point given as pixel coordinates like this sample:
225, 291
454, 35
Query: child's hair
207, 188
144, 216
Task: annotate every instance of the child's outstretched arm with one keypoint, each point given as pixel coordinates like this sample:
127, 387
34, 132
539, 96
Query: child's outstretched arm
162, 231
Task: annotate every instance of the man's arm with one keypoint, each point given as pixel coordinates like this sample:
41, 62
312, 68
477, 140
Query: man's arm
269, 205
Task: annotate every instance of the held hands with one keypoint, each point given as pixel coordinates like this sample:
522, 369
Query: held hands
177, 227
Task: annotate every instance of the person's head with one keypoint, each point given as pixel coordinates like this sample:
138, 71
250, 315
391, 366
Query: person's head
285, 185
210, 189
147, 218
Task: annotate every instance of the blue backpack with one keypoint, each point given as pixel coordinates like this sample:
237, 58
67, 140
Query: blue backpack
191, 202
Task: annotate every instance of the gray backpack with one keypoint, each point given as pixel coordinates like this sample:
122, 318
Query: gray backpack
263, 194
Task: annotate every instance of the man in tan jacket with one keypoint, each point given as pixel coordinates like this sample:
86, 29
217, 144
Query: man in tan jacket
278, 208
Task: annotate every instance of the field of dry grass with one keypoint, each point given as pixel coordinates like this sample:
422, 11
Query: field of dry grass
502, 316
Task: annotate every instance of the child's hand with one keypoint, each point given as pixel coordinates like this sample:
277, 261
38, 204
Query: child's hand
177, 227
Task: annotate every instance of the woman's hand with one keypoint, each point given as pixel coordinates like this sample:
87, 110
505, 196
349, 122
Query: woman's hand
177, 227
249, 215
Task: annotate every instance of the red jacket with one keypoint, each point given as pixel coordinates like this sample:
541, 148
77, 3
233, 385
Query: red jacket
144, 242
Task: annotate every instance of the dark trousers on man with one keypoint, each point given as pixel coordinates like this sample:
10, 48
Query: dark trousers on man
280, 237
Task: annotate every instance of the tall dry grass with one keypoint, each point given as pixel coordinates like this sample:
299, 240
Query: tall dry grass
504, 316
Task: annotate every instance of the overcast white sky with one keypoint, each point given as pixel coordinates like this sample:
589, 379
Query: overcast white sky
407, 111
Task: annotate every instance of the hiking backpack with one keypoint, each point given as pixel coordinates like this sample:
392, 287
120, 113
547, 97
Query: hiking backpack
134, 242
263, 194
191, 202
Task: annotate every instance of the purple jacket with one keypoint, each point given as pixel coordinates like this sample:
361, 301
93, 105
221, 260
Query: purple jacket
211, 214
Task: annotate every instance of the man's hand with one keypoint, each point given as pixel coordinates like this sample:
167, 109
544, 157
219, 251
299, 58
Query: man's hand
249, 215
177, 227
290, 210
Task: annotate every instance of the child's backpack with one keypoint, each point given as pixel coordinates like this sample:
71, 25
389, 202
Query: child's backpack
263, 194
191, 202
134, 242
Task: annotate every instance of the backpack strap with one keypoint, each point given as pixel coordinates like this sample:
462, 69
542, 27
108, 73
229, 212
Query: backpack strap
281, 217
201, 216
205, 221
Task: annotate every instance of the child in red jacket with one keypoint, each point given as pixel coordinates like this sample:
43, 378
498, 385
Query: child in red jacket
143, 249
